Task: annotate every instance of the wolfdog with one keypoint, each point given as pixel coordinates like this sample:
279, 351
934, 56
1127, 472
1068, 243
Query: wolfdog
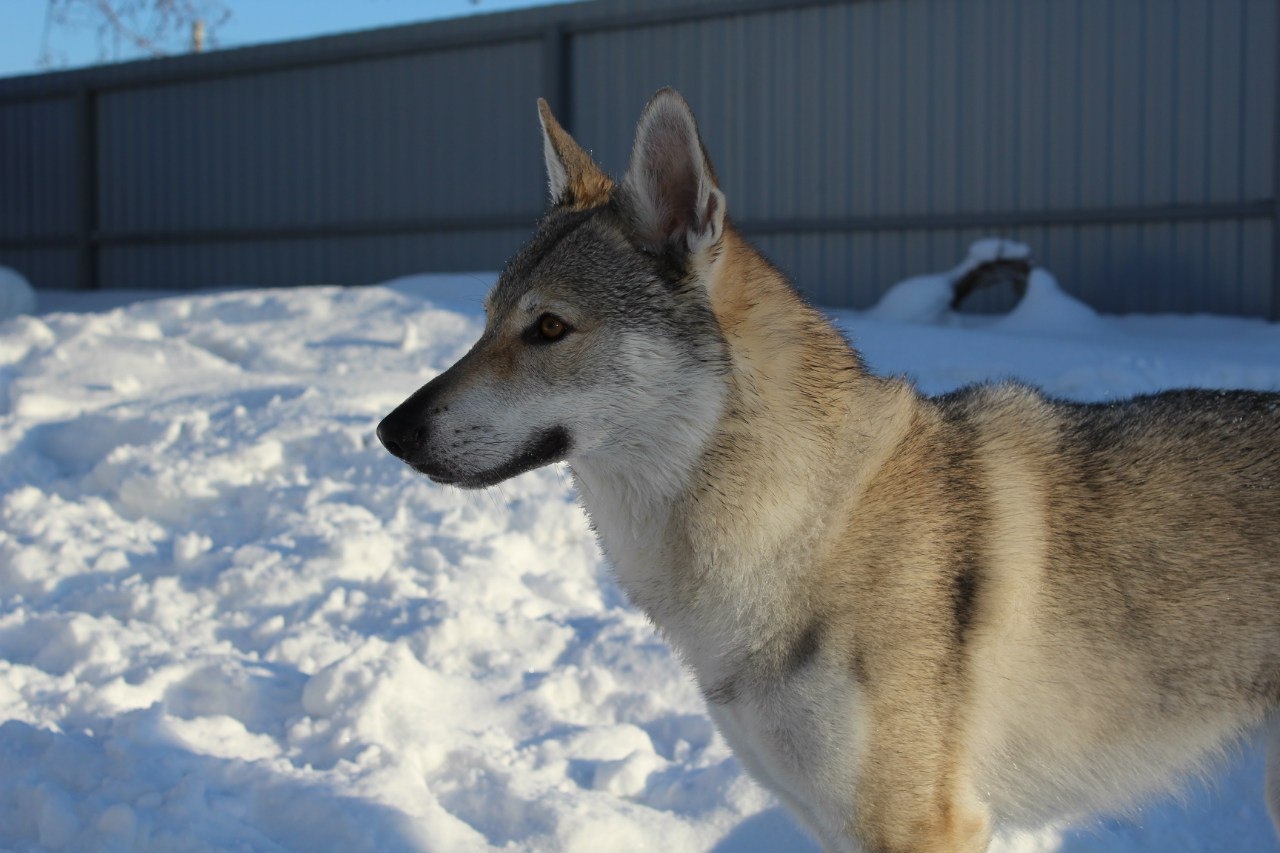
913, 618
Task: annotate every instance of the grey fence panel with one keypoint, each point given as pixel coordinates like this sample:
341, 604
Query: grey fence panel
1259, 160
922, 109
285, 261
1193, 100
451, 133
1259, 261
41, 266
391, 144
38, 183
1180, 267
15, 169
1132, 143
1158, 108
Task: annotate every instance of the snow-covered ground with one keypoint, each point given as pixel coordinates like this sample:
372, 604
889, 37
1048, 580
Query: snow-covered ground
230, 621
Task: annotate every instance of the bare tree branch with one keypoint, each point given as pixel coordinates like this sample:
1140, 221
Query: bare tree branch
130, 27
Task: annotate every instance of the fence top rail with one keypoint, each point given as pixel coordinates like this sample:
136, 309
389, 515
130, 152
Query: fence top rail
397, 40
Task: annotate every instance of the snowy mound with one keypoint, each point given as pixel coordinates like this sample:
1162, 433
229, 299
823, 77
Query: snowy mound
1044, 308
16, 295
230, 621
927, 298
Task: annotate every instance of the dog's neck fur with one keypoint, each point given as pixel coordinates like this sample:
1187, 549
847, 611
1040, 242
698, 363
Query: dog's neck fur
764, 460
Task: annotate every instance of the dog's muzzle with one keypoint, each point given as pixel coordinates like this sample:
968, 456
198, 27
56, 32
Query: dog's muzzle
407, 433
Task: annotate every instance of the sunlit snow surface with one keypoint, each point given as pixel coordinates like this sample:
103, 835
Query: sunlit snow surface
229, 620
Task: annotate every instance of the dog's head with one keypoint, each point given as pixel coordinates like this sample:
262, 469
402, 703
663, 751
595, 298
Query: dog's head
600, 345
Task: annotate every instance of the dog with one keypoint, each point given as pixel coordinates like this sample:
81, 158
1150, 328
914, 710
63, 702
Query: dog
914, 619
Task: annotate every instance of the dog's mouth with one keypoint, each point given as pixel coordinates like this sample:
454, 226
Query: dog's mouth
550, 445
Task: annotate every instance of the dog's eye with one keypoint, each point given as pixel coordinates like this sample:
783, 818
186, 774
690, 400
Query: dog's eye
549, 328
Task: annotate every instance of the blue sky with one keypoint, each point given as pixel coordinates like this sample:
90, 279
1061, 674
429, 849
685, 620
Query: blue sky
22, 24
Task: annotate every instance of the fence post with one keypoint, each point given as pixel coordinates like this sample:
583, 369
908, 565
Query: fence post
557, 70
87, 189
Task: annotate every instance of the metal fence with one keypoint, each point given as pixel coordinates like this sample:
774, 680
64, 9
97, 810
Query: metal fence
1132, 143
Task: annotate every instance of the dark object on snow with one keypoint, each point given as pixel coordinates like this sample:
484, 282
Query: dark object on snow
1013, 271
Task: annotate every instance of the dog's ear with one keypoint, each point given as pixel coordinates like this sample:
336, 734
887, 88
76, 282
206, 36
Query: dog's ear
575, 179
670, 185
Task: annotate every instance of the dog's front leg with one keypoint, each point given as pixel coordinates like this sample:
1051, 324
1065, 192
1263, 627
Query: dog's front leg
915, 792
946, 823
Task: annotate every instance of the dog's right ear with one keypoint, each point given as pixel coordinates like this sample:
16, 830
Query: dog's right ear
670, 186
575, 179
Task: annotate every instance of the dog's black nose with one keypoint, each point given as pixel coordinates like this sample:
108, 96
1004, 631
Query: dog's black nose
388, 442
399, 436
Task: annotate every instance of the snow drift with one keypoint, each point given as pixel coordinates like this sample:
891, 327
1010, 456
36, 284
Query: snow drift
230, 621
16, 295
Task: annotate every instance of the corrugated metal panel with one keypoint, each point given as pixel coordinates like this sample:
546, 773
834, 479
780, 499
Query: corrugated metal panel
825, 119
1160, 101
1126, 101
1002, 81
387, 139
1190, 53
44, 268
1257, 259
841, 269
37, 169
972, 164
344, 260
1258, 152
15, 183
1187, 267
934, 108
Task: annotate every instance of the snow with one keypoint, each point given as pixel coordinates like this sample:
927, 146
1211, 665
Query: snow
927, 298
1045, 307
16, 294
230, 621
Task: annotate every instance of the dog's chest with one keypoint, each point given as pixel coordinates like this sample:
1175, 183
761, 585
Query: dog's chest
713, 613
801, 739
636, 540
794, 727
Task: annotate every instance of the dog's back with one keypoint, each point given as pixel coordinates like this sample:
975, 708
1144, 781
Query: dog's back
1137, 629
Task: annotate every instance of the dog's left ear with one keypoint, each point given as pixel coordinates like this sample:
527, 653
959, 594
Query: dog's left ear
670, 186
575, 179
